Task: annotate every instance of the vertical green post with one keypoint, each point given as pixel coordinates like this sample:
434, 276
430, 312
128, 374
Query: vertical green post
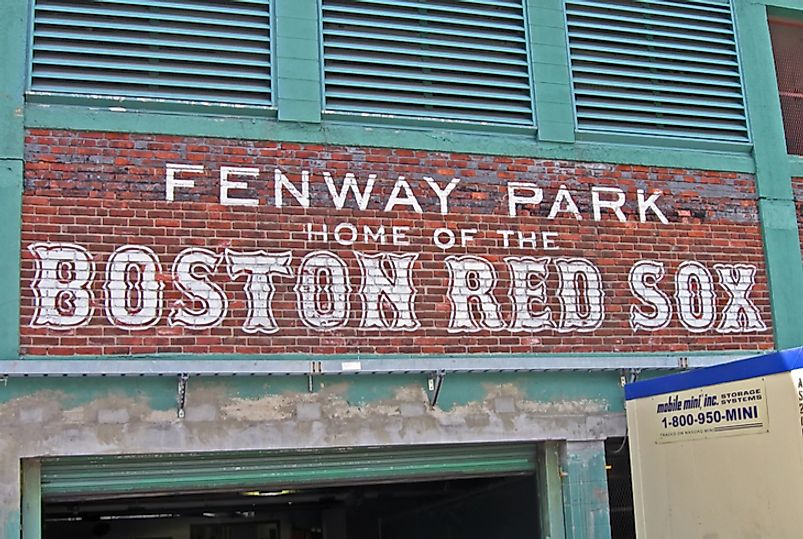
13, 69
554, 109
585, 490
298, 68
550, 493
776, 202
31, 499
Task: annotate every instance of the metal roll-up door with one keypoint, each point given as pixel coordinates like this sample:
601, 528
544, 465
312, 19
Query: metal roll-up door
113, 476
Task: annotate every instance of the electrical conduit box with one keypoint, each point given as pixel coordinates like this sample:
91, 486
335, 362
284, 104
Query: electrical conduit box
717, 453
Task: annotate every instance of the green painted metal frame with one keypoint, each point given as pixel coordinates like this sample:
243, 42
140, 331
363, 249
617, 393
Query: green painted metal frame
550, 491
554, 107
776, 202
13, 69
585, 490
298, 84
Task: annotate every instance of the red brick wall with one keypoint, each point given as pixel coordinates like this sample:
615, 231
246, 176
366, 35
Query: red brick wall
102, 191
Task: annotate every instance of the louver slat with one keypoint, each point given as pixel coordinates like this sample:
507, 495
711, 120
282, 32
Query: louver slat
201, 50
443, 59
656, 67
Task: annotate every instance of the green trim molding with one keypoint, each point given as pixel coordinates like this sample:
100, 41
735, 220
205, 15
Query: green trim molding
449, 138
776, 201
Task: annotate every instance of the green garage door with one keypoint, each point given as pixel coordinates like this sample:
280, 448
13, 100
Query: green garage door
110, 476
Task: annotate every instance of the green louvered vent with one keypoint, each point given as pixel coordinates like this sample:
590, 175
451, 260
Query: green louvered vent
70, 477
198, 50
656, 67
446, 59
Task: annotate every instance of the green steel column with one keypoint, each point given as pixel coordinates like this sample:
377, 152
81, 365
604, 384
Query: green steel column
31, 499
776, 202
585, 490
554, 109
298, 62
550, 493
13, 63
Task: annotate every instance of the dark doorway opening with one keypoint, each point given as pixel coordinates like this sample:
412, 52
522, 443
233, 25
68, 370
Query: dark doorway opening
482, 508
620, 488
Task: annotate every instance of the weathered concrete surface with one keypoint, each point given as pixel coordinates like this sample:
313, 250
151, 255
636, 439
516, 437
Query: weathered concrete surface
220, 416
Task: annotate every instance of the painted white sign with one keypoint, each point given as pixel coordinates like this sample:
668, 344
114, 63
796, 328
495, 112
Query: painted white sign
543, 293
65, 272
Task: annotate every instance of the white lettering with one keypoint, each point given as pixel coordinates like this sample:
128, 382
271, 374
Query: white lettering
694, 295
442, 193
740, 314
259, 267
133, 290
282, 183
352, 234
322, 291
205, 303
472, 277
408, 199
644, 278
581, 295
649, 204
387, 280
439, 235
564, 197
171, 182
535, 196
615, 205
61, 285
226, 185
528, 277
350, 184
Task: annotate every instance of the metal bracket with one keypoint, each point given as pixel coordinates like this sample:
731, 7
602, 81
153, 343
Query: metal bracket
435, 382
628, 376
683, 362
315, 367
181, 397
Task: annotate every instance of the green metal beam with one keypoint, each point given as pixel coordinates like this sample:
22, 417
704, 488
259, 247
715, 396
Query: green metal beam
13, 69
10, 241
554, 107
775, 198
585, 490
298, 64
13, 75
